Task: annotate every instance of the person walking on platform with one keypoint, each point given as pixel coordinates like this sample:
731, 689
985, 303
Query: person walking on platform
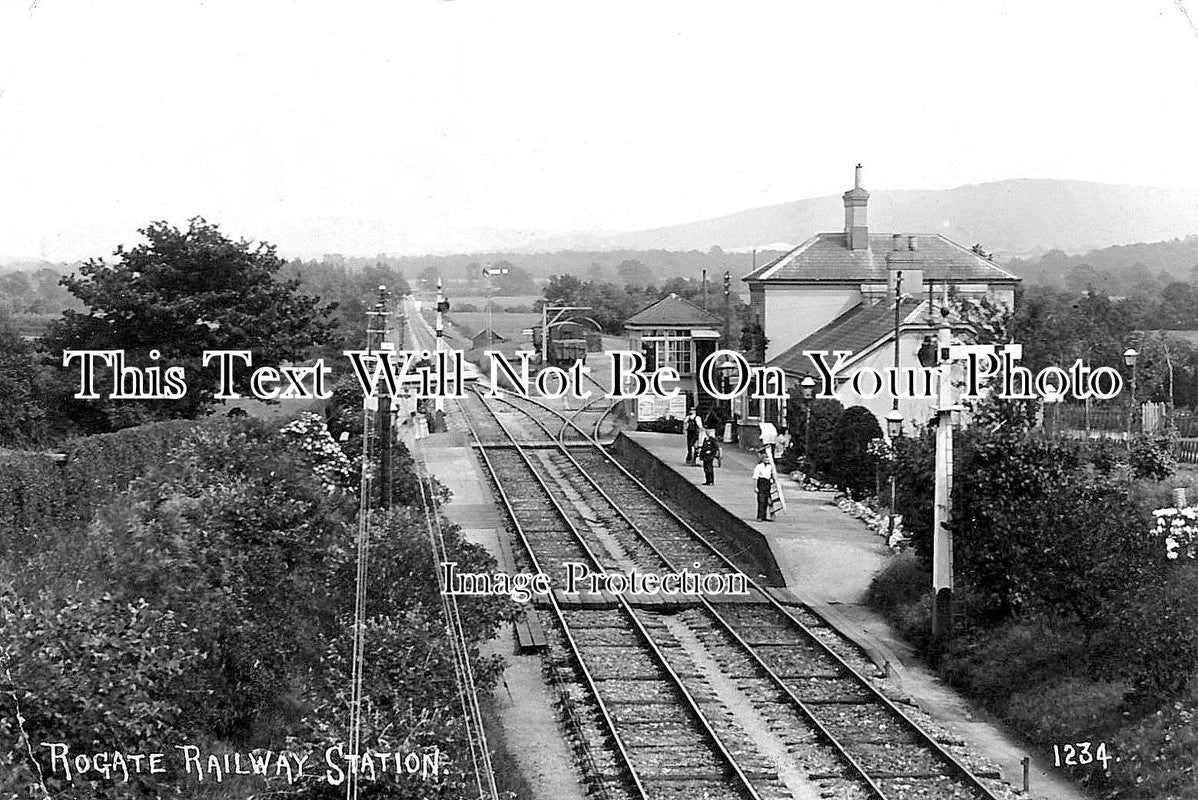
691, 428
763, 476
709, 451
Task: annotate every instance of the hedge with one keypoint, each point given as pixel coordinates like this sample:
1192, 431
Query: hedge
42, 498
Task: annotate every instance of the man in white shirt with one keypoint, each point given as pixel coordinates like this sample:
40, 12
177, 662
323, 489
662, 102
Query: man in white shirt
763, 476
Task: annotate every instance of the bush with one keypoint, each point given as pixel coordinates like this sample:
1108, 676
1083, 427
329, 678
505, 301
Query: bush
1156, 756
1024, 652
1060, 710
824, 415
1153, 641
853, 469
1152, 458
904, 580
1036, 526
211, 602
790, 460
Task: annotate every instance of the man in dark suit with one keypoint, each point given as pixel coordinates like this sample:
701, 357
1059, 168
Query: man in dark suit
709, 451
691, 428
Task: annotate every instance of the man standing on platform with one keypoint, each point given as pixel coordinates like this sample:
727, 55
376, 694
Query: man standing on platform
709, 451
763, 476
691, 428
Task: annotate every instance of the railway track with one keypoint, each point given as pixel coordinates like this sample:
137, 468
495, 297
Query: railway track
721, 697
743, 687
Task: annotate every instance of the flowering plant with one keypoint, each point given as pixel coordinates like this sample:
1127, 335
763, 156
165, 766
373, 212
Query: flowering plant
876, 520
1178, 527
329, 462
881, 449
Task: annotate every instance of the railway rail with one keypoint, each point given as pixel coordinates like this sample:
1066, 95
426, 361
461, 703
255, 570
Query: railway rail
802, 717
709, 697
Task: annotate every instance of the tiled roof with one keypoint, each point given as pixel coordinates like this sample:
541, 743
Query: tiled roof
672, 310
824, 257
855, 330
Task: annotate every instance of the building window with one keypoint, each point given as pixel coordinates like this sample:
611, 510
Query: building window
670, 349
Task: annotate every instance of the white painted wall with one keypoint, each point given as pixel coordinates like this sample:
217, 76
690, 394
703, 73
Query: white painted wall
917, 411
794, 312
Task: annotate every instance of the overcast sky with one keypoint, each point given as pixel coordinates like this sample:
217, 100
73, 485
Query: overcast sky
441, 117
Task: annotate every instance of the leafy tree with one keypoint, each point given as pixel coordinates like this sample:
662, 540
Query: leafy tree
517, 280
25, 420
429, 277
753, 341
634, 273
183, 292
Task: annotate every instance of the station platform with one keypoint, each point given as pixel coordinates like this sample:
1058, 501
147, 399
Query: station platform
827, 560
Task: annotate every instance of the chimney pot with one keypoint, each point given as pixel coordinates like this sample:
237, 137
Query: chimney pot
898, 241
912, 243
856, 228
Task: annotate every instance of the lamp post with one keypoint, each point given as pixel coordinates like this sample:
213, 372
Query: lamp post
807, 387
1130, 356
894, 429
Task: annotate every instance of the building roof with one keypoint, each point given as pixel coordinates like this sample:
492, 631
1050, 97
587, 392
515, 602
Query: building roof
486, 334
856, 329
673, 311
825, 257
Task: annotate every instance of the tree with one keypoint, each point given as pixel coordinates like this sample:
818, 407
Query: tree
429, 276
634, 273
753, 341
180, 293
24, 421
517, 280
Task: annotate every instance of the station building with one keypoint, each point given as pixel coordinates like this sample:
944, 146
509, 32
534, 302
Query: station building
838, 291
673, 332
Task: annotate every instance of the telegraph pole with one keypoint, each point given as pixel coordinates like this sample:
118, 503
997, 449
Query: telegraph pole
440, 401
377, 344
728, 310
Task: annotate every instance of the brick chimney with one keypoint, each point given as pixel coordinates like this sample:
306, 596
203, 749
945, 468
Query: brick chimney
856, 228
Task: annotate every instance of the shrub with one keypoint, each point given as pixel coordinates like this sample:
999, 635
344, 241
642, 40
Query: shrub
824, 415
1152, 458
853, 468
1022, 652
1153, 640
904, 580
1057, 710
1156, 756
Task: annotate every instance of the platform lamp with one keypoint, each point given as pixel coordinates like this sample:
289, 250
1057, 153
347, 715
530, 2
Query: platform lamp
1130, 357
894, 429
725, 369
807, 388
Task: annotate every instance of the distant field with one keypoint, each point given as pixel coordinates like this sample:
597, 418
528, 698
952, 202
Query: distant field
480, 301
507, 325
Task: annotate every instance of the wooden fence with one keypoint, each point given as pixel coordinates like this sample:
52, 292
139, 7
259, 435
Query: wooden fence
1104, 422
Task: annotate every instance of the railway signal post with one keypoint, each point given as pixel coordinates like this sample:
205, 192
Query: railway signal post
942, 534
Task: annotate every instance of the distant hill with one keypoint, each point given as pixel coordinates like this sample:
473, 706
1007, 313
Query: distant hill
1119, 269
1010, 218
